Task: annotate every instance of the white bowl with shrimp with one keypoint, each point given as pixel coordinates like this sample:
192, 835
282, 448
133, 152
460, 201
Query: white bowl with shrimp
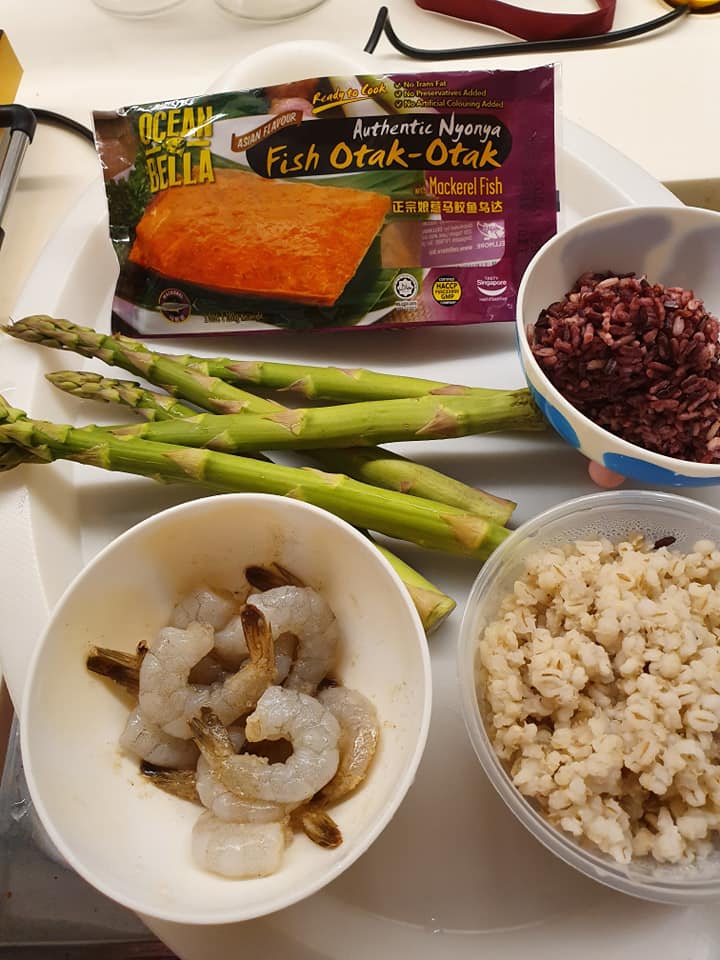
127, 838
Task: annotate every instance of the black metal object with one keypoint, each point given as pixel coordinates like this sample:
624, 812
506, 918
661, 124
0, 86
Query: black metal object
382, 26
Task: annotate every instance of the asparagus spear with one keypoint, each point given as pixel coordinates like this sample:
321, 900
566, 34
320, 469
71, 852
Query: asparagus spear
400, 515
382, 468
213, 394
431, 603
12, 456
433, 606
350, 424
337, 384
134, 356
93, 386
376, 466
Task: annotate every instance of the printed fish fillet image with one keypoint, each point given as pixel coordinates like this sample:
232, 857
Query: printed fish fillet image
243, 234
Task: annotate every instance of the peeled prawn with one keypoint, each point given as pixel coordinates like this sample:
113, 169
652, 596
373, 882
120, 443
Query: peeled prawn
149, 742
358, 742
168, 699
218, 609
240, 691
238, 850
359, 732
304, 613
286, 645
184, 783
268, 578
280, 714
226, 805
202, 786
204, 605
230, 644
231, 648
166, 696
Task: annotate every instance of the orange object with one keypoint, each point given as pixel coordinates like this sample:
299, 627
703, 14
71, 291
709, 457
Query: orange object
245, 235
10, 70
697, 6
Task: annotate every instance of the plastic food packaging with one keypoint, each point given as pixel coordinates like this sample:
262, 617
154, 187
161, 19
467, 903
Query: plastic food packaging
331, 202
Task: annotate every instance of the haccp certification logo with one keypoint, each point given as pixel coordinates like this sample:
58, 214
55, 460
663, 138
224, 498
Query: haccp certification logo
446, 291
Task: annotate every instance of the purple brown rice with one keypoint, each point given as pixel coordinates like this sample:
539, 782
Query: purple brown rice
639, 359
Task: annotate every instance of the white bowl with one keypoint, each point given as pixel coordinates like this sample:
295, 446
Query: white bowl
675, 246
124, 836
614, 515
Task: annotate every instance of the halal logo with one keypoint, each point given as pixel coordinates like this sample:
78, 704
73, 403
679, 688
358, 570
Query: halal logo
405, 286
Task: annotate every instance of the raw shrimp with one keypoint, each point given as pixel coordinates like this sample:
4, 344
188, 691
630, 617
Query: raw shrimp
270, 576
358, 742
231, 648
226, 805
178, 783
204, 605
303, 612
240, 691
166, 696
285, 647
238, 850
317, 824
230, 643
236, 732
359, 732
123, 668
183, 783
148, 742
208, 670
280, 714
169, 700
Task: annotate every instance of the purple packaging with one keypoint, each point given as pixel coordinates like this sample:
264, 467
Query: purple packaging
464, 161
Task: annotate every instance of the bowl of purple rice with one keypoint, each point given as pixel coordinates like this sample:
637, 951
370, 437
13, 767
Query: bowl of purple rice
619, 338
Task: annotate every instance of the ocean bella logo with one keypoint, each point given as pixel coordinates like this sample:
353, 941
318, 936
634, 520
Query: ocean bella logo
177, 146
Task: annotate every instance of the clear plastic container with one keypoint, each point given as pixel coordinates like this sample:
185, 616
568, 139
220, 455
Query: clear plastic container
613, 515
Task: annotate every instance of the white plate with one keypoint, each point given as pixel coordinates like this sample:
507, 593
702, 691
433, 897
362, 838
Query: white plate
454, 875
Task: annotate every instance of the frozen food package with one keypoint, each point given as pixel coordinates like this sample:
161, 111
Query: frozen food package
331, 202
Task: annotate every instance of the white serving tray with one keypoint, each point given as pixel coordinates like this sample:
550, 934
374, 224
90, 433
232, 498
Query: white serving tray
454, 875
